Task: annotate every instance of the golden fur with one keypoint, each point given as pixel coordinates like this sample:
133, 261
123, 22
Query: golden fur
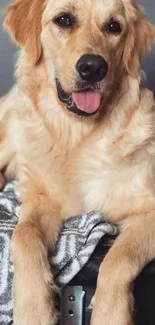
68, 165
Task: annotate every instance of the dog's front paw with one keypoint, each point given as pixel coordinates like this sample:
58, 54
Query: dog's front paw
112, 306
33, 302
38, 311
35, 312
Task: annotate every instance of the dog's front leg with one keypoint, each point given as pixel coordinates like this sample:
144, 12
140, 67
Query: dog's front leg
35, 234
113, 301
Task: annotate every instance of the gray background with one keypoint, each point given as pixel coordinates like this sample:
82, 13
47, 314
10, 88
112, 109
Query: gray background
8, 50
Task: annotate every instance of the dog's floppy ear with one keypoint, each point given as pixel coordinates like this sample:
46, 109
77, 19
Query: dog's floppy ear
23, 20
141, 34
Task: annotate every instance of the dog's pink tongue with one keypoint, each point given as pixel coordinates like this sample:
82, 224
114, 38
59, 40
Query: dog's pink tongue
88, 101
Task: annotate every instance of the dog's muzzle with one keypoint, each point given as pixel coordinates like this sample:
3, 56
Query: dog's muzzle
67, 98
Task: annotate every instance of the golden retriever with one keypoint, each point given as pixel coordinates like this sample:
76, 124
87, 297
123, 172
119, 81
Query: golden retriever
78, 132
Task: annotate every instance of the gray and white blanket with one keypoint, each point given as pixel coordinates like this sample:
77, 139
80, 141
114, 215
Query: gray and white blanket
78, 238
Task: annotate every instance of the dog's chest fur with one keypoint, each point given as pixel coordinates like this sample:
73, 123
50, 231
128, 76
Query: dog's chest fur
104, 171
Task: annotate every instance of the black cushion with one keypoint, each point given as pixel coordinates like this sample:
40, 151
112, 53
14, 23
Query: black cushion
144, 286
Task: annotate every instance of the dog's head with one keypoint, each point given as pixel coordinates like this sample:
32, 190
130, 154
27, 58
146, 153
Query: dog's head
87, 45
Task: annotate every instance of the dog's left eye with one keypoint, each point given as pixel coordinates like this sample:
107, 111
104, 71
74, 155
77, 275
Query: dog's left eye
113, 26
64, 20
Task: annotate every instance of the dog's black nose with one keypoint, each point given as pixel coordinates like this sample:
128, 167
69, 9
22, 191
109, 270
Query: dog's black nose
92, 68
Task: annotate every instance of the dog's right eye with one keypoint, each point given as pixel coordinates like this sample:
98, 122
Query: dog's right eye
65, 20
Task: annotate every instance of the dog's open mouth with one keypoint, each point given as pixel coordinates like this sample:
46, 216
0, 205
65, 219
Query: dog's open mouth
83, 103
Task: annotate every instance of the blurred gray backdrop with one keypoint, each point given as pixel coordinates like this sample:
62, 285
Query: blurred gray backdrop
8, 51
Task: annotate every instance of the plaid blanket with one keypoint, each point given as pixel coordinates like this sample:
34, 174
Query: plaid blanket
78, 238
